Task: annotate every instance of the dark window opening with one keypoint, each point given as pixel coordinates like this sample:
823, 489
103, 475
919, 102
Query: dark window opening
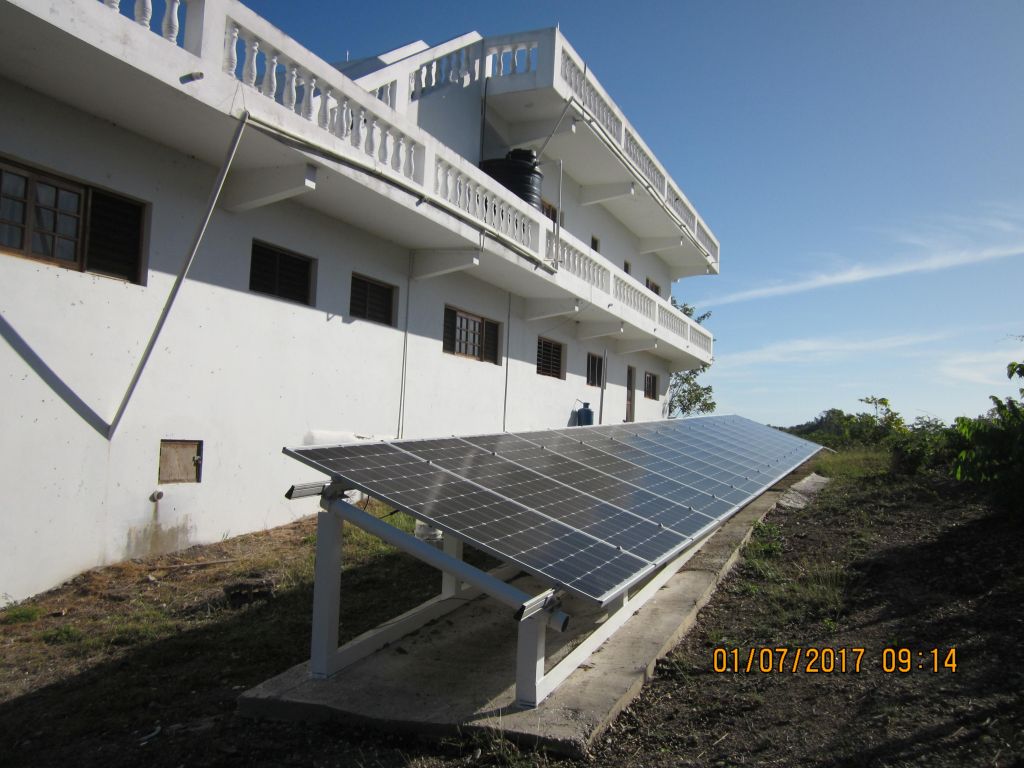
650, 385
470, 336
653, 286
627, 267
549, 358
56, 220
595, 369
372, 300
282, 274
595, 244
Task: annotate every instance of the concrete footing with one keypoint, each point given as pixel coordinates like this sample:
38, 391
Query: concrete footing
457, 674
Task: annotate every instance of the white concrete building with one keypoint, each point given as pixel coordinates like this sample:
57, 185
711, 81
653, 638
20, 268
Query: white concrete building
359, 273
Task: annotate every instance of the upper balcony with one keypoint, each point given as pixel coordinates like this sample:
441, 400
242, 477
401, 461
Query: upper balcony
541, 93
186, 78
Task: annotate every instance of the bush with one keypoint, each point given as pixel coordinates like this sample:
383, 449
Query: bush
928, 444
993, 449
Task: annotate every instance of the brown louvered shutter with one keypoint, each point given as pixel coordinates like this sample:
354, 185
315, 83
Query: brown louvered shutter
448, 337
549, 358
491, 341
115, 236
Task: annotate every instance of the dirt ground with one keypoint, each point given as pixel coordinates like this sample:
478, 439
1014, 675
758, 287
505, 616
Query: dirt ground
141, 663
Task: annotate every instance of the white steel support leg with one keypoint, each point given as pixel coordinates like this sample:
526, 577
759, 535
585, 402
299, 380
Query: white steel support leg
530, 660
326, 594
449, 582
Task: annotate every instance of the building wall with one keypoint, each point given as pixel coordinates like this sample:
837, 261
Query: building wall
244, 373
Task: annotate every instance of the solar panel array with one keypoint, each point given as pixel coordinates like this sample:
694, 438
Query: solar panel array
593, 510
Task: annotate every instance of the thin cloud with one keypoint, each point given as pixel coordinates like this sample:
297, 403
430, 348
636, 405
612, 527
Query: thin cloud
861, 273
812, 351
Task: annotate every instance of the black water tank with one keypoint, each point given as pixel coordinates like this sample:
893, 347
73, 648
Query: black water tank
518, 172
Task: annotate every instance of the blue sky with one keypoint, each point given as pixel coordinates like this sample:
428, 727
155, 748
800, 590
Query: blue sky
861, 163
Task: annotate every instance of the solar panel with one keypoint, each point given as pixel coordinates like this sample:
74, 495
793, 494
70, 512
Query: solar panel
590, 509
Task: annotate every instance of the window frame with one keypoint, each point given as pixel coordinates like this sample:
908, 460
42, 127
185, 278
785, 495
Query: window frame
595, 243
541, 340
393, 321
627, 267
279, 251
652, 286
85, 191
595, 362
651, 385
481, 354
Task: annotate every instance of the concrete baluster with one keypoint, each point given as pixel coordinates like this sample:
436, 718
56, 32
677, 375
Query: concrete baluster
252, 50
170, 25
231, 49
371, 135
309, 86
270, 76
291, 85
143, 12
324, 118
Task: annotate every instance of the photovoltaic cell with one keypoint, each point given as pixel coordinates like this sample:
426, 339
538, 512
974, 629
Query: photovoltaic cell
591, 509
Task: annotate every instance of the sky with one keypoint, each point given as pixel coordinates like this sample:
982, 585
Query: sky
861, 164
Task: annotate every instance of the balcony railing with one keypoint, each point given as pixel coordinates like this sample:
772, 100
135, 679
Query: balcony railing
593, 268
294, 80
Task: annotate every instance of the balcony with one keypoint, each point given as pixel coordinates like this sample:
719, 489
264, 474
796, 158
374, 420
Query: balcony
532, 76
185, 79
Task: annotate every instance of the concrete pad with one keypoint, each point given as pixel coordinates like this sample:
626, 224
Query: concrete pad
811, 484
457, 674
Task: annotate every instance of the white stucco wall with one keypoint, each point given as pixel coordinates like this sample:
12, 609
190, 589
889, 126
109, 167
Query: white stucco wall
244, 373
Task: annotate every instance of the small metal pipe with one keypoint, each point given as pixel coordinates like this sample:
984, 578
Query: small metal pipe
405, 351
604, 384
169, 303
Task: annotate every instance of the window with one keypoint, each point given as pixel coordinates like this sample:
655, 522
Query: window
470, 336
550, 210
650, 385
372, 300
595, 369
627, 267
653, 286
595, 244
55, 220
181, 461
549, 358
282, 274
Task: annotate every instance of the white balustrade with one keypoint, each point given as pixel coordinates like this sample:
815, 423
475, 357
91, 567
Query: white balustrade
511, 58
576, 262
684, 211
142, 14
318, 96
705, 239
644, 162
485, 201
635, 297
461, 66
589, 96
700, 338
671, 319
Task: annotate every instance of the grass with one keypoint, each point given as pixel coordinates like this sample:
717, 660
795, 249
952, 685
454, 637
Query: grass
852, 463
20, 614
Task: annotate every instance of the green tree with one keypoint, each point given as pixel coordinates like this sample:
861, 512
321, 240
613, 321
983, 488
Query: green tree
686, 395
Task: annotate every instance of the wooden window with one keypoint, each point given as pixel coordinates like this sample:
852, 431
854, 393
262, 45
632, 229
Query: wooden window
549, 358
653, 286
372, 300
56, 220
470, 336
181, 461
650, 385
627, 267
595, 244
550, 210
595, 369
278, 273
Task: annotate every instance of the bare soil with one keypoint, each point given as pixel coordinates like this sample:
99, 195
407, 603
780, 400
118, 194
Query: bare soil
141, 663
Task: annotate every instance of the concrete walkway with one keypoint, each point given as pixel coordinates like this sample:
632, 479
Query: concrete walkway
457, 674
